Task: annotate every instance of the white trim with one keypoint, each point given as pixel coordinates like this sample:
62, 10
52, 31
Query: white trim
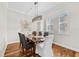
39, 0
71, 48
17, 11
13, 42
4, 50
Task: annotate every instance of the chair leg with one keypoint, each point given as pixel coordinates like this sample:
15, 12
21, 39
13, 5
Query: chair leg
20, 45
34, 49
22, 49
26, 53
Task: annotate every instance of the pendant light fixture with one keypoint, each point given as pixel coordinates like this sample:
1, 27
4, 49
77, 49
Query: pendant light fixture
37, 17
36, 8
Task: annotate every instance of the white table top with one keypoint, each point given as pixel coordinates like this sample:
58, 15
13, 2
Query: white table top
45, 49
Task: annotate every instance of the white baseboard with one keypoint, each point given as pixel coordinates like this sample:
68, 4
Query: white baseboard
5, 46
69, 47
12, 42
2, 54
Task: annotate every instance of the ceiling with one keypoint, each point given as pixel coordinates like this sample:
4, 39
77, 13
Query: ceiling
28, 8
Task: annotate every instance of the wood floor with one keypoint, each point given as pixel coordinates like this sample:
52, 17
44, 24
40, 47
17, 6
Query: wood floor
13, 50
60, 51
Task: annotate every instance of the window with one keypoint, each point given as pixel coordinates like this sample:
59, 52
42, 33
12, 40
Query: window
62, 23
38, 26
50, 25
44, 26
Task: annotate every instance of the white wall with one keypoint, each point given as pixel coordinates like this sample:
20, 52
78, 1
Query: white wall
71, 38
9, 26
13, 25
3, 13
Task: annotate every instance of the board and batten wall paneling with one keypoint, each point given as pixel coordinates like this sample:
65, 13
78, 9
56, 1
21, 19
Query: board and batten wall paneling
71, 38
3, 18
14, 25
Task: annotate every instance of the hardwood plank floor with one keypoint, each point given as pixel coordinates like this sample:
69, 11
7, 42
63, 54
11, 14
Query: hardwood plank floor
60, 51
13, 50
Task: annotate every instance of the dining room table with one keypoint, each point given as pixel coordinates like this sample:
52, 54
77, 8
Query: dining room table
44, 48
43, 45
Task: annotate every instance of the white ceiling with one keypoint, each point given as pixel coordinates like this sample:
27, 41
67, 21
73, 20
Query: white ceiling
28, 8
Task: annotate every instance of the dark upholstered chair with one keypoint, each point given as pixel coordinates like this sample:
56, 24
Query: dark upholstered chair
20, 37
26, 44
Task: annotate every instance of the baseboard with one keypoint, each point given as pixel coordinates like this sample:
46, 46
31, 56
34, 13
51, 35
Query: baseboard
2, 55
12, 42
65, 46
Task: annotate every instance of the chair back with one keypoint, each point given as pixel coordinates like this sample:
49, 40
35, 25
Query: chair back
46, 34
20, 37
26, 42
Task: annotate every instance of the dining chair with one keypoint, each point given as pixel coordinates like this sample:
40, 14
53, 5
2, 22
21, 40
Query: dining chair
26, 45
45, 34
20, 37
